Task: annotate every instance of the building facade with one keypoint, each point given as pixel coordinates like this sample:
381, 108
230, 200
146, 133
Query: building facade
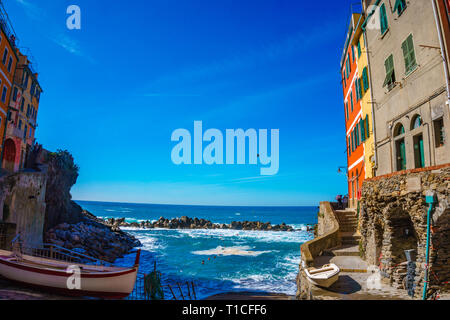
409, 84
8, 64
357, 104
22, 115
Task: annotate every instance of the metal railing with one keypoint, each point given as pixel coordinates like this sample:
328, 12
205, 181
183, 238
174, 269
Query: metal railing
49, 251
172, 291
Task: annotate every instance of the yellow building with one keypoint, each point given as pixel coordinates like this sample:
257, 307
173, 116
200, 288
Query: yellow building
366, 104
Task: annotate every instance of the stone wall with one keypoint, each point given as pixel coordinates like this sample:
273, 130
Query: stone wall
328, 237
393, 219
22, 202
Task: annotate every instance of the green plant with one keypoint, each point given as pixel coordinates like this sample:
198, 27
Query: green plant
362, 252
152, 285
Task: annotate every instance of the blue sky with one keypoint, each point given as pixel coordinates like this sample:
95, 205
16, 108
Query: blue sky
115, 91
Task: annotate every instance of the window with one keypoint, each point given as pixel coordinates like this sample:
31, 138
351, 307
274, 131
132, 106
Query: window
400, 6
419, 155
357, 89
5, 56
357, 134
409, 55
416, 123
362, 129
33, 87
349, 147
439, 133
10, 64
390, 72
359, 49
25, 132
25, 80
20, 124
31, 132
401, 154
365, 79
360, 88
4, 93
346, 110
367, 127
351, 100
399, 130
9, 116
353, 141
15, 94
383, 19
22, 105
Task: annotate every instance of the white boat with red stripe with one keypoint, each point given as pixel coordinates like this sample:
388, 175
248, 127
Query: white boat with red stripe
68, 277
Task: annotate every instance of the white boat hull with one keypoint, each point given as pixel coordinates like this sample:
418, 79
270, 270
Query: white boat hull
97, 281
324, 277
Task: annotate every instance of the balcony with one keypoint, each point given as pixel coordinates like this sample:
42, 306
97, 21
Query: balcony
13, 131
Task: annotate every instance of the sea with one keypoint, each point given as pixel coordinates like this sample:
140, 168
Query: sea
217, 261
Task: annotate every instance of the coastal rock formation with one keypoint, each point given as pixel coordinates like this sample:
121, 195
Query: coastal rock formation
195, 223
393, 219
62, 175
92, 239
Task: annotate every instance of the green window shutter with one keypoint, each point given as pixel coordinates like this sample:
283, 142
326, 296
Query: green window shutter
349, 146
346, 110
356, 134
363, 130
409, 54
367, 127
356, 90
399, 6
353, 141
360, 88
365, 79
359, 49
390, 73
383, 19
351, 100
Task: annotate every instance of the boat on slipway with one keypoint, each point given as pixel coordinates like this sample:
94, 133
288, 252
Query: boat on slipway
323, 277
66, 272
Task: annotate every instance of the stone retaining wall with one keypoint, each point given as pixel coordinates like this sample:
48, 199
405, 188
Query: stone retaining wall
328, 237
22, 202
393, 219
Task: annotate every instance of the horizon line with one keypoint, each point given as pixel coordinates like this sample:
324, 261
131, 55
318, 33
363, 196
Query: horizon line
201, 205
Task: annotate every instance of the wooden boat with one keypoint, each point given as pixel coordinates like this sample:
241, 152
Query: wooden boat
54, 275
323, 277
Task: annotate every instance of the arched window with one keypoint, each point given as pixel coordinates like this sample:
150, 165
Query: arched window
399, 130
416, 122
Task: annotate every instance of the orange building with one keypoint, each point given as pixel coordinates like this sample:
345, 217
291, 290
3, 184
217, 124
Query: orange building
351, 83
22, 115
8, 61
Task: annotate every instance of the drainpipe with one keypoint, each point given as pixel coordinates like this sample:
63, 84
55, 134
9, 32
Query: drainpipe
431, 200
441, 44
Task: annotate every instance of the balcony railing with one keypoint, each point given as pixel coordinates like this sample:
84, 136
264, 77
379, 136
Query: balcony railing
7, 25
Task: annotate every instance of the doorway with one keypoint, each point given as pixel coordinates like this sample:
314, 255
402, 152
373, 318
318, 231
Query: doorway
419, 156
401, 154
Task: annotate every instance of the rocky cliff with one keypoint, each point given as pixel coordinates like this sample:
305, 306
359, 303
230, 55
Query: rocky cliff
38, 202
62, 174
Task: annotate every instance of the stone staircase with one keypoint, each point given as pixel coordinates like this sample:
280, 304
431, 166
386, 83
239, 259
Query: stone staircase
348, 223
346, 257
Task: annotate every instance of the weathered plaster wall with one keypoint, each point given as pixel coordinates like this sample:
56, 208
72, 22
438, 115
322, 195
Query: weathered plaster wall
22, 202
394, 219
